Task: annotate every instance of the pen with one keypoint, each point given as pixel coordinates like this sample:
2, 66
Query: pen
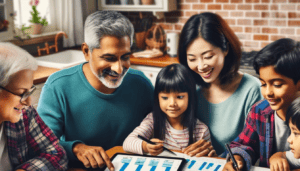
231, 156
150, 142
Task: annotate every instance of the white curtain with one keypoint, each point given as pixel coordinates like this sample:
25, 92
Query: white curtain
67, 14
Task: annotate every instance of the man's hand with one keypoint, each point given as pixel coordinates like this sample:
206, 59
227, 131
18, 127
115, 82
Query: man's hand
200, 148
278, 162
92, 156
239, 161
153, 149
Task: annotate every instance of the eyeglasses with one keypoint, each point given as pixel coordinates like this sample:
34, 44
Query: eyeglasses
23, 96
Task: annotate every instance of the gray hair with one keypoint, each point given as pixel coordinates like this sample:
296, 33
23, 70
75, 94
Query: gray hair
106, 23
12, 60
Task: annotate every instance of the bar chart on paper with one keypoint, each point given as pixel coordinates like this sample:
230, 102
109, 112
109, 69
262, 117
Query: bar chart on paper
140, 163
203, 165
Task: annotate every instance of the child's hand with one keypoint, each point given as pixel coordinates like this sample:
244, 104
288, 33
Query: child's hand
153, 149
200, 148
278, 162
239, 161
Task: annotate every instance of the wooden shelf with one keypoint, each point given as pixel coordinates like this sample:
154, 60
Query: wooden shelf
34, 40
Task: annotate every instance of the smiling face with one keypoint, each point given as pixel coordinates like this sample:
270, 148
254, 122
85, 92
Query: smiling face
294, 140
173, 104
110, 62
278, 89
205, 59
10, 106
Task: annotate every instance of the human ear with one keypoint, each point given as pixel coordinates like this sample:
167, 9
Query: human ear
85, 50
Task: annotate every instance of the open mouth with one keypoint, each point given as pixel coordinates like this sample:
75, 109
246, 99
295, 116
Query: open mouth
207, 74
273, 101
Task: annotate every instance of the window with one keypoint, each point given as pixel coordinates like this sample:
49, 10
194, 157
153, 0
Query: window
23, 8
6, 20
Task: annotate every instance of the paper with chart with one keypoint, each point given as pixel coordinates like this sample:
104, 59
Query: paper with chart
205, 163
139, 163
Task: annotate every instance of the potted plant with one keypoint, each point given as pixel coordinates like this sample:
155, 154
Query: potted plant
37, 22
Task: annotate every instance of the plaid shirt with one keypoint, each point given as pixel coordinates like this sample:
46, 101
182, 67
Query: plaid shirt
32, 145
256, 139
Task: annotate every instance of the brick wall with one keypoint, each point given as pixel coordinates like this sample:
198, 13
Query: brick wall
255, 22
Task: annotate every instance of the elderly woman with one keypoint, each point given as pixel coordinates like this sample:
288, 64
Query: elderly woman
26, 143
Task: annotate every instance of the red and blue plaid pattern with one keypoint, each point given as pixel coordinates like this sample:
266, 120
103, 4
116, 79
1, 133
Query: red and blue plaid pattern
256, 139
32, 145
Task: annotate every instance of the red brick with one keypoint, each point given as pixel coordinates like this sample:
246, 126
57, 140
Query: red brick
184, 7
230, 21
190, 13
261, 7
265, 1
265, 14
199, 6
189, 1
214, 7
276, 37
251, 44
252, 14
298, 7
237, 29
237, 14
222, 1
287, 31
294, 1
277, 23
279, 1
244, 22
287, 7
172, 19
260, 22
178, 27
270, 30
236, 1
278, 15
263, 44
229, 7
293, 15
206, 1
223, 14
295, 23
183, 20
243, 36
252, 1
252, 29
167, 26
261, 37
244, 7
274, 7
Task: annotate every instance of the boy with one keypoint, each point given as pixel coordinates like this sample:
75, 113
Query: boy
278, 67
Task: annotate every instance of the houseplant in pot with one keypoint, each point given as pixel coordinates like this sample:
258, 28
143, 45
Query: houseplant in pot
37, 22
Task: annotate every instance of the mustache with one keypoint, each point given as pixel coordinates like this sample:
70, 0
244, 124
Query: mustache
113, 73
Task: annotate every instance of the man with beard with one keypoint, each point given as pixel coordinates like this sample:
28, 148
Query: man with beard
93, 106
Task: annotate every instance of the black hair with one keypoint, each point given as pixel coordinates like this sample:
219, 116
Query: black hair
213, 29
284, 55
293, 113
175, 78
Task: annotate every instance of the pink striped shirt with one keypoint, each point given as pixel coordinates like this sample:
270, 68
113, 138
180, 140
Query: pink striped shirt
174, 139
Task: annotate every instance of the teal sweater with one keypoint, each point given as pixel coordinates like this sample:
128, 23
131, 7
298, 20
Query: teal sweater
76, 112
226, 119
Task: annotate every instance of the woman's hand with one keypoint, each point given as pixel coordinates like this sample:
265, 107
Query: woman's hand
92, 156
200, 148
278, 162
239, 161
153, 149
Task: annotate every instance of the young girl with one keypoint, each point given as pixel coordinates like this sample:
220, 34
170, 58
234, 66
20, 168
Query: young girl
173, 123
293, 120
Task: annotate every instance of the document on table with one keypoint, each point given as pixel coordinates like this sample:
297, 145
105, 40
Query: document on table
204, 163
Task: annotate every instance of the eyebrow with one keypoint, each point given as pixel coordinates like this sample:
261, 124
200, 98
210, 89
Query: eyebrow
275, 79
112, 55
202, 52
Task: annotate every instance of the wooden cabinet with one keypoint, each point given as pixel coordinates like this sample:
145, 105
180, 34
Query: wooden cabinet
149, 71
136, 5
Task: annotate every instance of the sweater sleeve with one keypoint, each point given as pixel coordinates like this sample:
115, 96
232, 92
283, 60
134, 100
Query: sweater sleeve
132, 143
49, 154
51, 108
247, 143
